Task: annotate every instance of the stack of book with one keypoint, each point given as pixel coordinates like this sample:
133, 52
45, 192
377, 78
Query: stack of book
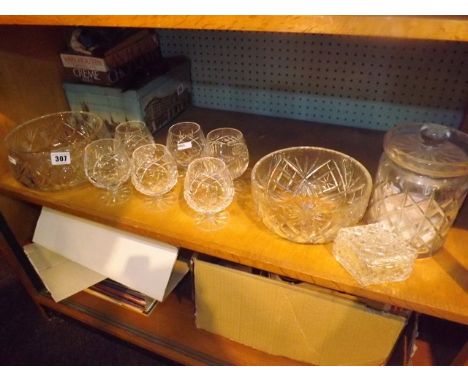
154, 100
120, 294
108, 56
120, 75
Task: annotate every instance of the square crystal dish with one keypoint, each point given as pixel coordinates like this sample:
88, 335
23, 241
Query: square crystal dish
374, 254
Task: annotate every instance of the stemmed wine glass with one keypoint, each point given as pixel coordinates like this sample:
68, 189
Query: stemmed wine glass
107, 166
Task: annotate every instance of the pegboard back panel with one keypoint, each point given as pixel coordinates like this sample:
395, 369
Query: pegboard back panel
354, 81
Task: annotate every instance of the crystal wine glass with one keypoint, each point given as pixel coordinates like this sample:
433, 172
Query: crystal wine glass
154, 170
208, 187
133, 134
229, 145
107, 166
186, 142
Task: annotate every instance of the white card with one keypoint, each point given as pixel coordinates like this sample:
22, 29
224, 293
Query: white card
140, 263
60, 158
62, 277
184, 145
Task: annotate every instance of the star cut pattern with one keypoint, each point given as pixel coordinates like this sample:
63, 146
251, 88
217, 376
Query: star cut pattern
306, 197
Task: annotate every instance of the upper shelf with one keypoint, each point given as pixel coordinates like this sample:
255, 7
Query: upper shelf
412, 27
436, 287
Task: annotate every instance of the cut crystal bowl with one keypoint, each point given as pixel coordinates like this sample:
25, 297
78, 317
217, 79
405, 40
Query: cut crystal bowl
46, 153
306, 194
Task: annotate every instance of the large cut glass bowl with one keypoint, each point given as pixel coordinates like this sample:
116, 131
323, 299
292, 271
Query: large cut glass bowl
306, 194
46, 153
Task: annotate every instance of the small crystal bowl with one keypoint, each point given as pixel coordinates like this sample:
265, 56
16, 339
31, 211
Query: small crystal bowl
306, 194
374, 254
46, 153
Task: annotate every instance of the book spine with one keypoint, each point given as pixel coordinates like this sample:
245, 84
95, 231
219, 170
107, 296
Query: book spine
113, 299
113, 75
95, 76
121, 295
148, 44
115, 285
76, 61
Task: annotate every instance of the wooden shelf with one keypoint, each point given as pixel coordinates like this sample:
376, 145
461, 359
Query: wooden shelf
436, 287
169, 331
412, 27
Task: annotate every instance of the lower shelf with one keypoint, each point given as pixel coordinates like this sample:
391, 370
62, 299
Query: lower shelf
169, 331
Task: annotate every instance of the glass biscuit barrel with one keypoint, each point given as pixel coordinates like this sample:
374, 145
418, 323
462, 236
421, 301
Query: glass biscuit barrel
421, 183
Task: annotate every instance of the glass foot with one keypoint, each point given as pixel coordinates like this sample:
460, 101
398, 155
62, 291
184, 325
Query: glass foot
212, 222
160, 203
119, 196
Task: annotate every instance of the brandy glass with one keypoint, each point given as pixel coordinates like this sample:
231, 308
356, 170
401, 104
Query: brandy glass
186, 142
229, 145
107, 166
154, 170
133, 134
208, 186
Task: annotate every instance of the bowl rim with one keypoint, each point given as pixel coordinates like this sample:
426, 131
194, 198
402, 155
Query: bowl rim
238, 134
204, 159
134, 122
198, 128
31, 121
254, 182
153, 145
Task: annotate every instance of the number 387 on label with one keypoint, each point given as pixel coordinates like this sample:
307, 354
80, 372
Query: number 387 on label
60, 158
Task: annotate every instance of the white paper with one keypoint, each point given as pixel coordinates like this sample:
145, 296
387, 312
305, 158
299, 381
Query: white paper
181, 268
62, 277
140, 263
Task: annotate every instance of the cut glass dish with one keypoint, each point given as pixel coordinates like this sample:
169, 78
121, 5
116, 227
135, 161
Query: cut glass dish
46, 153
374, 254
306, 194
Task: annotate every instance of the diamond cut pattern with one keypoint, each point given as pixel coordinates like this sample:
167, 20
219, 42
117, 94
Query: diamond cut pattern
309, 195
422, 216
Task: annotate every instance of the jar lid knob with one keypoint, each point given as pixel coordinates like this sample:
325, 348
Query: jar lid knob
433, 134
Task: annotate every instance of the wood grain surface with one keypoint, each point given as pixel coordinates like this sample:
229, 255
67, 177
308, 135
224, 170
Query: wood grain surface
438, 285
30, 74
429, 27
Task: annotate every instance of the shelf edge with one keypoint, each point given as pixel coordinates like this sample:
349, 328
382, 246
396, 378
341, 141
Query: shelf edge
408, 27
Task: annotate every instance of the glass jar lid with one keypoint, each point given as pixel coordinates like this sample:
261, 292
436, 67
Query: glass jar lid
429, 149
